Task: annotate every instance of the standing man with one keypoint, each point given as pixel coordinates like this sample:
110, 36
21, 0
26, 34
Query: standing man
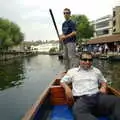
89, 91
68, 39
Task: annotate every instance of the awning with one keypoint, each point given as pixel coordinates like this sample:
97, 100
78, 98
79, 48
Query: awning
105, 39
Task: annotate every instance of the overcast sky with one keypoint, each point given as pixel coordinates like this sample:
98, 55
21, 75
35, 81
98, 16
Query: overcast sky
34, 18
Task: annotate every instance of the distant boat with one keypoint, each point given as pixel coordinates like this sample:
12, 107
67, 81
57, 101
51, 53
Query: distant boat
60, 57
103, 57
114, 58
53, 53
52, 104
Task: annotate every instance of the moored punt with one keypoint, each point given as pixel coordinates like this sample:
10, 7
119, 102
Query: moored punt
60, 57
52, 104
114, 58
103, 57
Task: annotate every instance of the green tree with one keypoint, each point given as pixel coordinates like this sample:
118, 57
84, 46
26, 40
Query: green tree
10, 34
84, 29
53, 50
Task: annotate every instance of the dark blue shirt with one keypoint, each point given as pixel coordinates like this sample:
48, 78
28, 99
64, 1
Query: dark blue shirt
67, 28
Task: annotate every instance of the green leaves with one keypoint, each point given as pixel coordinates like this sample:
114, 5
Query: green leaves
53, 50
10, 34
84, 29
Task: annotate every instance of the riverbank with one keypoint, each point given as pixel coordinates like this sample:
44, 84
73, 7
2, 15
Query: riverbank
11, 55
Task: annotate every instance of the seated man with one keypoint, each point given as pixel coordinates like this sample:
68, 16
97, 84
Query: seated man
86, 92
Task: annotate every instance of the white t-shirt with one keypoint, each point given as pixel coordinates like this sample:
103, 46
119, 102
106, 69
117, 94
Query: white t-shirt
84, 82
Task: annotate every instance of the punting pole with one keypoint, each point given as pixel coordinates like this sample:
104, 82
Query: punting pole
60, 42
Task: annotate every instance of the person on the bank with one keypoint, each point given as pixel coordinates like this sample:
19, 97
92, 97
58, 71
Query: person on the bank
68, 39
89, 91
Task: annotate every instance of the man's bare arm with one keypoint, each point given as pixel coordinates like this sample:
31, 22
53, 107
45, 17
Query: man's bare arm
68, 90
103, 87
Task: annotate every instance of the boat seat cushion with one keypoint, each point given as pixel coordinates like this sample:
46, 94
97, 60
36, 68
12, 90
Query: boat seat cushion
61, 112
103, 118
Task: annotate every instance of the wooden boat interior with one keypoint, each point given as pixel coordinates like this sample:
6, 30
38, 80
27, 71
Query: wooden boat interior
53, 105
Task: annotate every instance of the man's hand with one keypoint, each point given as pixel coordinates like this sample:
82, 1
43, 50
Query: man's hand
62, 37
103, 89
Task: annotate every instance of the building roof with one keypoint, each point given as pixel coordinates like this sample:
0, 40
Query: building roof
105, 39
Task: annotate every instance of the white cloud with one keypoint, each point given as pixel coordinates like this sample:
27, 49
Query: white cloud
34, 18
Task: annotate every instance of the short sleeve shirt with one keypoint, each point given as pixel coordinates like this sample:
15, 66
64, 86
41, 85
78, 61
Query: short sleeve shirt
68, 27
84, 81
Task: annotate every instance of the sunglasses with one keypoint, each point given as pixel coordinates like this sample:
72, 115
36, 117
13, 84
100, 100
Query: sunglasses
66, 13
86, 59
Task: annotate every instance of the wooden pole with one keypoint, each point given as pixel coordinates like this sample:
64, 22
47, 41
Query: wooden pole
60, 42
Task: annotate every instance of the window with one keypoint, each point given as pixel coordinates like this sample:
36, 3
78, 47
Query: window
114, 14
105, 31
102, 24
102, 32
114, 23
114, 30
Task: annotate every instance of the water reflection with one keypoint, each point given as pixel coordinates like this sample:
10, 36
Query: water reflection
115, 74
26, 79
11, 74
111, 71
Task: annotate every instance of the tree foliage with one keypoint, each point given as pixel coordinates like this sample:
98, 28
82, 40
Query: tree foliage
10, 34
53, 50
84, 29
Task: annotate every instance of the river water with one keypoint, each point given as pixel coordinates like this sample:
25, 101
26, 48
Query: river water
23, 80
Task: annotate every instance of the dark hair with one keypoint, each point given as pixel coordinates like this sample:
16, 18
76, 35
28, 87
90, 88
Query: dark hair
87, 53
67, 10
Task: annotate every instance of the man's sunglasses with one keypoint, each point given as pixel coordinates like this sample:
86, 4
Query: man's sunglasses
66, 13
86, 59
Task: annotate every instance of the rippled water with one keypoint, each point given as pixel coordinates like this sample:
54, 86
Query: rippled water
111, 71
23, 80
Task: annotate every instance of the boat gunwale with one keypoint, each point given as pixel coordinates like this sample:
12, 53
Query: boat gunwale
113, 90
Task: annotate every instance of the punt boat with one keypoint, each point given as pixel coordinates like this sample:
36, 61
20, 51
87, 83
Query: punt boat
114, 58
52, 104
